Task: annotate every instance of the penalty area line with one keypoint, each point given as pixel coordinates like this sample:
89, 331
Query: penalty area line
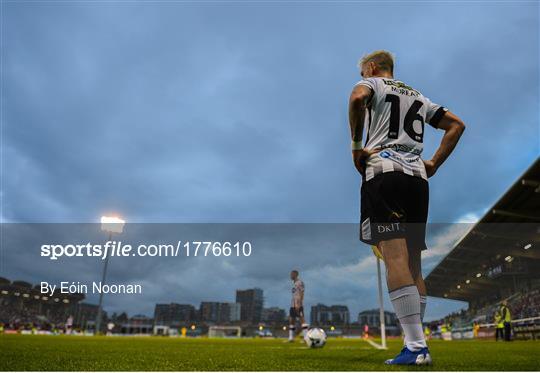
376, 345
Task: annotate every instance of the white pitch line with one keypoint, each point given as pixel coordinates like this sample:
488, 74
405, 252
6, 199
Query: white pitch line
376, 345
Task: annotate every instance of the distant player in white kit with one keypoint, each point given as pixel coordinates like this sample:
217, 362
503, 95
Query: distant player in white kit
69, 325
395, 191
296, 311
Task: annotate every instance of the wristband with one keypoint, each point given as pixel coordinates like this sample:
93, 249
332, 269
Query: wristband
356, 145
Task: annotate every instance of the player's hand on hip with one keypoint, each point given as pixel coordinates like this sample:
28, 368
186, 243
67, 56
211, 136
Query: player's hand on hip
431, 168
360, 157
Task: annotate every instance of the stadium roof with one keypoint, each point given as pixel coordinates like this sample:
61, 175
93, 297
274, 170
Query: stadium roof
499, 251
17, 287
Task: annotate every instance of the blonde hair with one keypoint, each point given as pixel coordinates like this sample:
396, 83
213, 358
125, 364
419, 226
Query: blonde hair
383, 59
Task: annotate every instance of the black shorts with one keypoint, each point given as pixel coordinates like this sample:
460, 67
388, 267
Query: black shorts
394, 205
294, 314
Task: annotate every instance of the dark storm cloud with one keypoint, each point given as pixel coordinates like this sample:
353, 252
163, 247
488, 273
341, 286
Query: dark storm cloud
237, 113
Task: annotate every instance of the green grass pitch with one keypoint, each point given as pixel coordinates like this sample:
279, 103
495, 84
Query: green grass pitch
61, 353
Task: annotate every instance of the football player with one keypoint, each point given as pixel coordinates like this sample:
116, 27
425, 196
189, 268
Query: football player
296, 311
395, 192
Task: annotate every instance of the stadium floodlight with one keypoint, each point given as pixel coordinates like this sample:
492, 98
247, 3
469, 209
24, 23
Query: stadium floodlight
528, 246
478, 275
459, 286
112, 224
109, 224
509, 258
468, 281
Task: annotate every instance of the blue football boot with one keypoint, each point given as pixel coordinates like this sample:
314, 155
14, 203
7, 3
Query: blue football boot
408, 357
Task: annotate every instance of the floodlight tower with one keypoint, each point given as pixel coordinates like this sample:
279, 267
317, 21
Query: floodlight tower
109, 224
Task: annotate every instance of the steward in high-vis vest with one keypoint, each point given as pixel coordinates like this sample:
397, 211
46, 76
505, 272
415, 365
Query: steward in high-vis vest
507, 320
499, 326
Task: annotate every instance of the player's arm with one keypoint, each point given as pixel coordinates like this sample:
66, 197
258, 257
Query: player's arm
299, 301
358, 103
453, 128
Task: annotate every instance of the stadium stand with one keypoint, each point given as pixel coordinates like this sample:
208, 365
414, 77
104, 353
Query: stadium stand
24, 307
498, 259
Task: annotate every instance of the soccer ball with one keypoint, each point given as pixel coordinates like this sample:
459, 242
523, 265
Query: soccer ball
315, 338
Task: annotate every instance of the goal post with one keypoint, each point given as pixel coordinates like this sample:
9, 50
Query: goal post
224, 331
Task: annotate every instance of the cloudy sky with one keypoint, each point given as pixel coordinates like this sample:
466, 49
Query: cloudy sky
236, 112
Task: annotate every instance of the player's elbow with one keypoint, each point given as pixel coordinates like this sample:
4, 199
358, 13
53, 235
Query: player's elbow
458, 126
452, 123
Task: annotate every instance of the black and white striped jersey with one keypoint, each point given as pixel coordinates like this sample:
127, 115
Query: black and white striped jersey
395, 124
297, 293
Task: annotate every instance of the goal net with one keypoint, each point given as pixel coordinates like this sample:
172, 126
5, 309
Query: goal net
225, 332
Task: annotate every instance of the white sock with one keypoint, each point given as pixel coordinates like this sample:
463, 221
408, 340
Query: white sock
304, 329
414, 335
406, 302
291, 332
423, 303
